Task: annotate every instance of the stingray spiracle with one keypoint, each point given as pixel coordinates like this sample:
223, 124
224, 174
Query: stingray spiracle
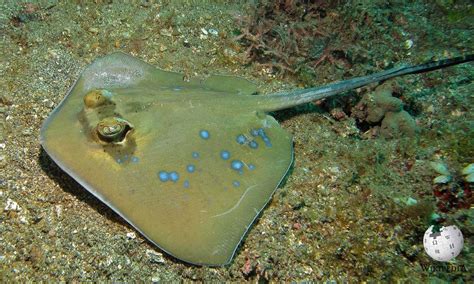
113, 129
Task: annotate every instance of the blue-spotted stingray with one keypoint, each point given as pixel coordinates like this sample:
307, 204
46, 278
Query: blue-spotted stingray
188, 163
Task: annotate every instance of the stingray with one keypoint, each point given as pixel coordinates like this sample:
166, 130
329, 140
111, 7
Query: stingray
189, 163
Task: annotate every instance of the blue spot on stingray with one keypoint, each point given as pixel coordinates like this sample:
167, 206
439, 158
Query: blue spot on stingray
190, 168
135, 159
174, 176
204, 134
236, 183
260, 132
164, 176
241, 139
186, 184
225, 155
119, 161
251, 167
253, 144
237, 165
267, 141
195, 155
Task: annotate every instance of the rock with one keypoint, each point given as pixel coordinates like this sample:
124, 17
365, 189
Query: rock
373, 106
131, 236
381, 102
398, 124
12, 206
338, 114
155, 257
380, 108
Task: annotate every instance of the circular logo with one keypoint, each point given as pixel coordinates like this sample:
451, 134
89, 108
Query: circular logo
443, 244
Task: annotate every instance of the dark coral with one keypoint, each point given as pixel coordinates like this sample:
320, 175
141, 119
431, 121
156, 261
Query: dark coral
289, 37
380, 108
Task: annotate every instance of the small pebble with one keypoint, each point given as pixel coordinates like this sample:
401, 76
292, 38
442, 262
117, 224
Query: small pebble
155, 257
94, 30
12, 206
213, 32
26, 132
411, 201
163, 48
23, 220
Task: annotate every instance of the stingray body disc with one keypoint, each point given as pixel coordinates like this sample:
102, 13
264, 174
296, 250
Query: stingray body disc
195, 166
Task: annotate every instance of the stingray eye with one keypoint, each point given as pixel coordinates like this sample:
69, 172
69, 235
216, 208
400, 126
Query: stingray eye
96, 98
112, 129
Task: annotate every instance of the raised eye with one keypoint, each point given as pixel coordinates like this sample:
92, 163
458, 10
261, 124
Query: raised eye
96, 98
112, 129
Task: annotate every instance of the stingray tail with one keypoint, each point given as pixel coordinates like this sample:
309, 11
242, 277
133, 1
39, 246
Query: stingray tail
284, 100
